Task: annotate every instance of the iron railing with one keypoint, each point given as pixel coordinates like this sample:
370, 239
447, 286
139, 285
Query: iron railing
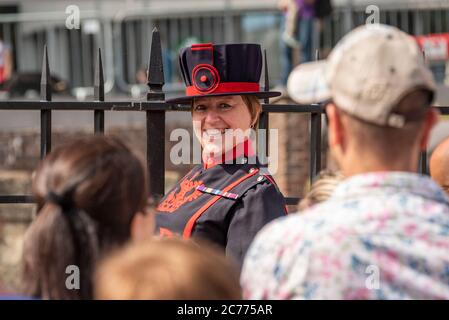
155, 108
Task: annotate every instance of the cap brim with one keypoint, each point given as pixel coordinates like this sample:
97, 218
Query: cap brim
307, 84
259, 94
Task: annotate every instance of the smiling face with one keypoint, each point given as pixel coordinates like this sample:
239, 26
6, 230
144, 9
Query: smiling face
217, 121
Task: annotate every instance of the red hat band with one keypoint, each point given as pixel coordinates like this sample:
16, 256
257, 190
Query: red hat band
225, 87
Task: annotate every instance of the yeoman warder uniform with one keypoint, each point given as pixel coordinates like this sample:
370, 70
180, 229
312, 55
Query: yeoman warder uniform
223, 203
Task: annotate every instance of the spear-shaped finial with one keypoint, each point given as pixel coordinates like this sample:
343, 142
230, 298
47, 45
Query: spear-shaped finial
155, 65
99, 79
45, 78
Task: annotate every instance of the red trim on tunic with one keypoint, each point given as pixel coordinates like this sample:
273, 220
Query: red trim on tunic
233, 154
272, 181
164, 232
189, 226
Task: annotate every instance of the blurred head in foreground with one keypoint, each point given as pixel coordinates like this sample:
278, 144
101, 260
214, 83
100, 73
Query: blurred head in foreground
91, 196
167, 269
321, 189
439, 165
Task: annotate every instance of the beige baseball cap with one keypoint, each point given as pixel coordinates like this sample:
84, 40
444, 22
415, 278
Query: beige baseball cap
367, 73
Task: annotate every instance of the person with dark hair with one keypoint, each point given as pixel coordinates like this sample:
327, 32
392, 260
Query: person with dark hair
167, 269
383, 233
92, 197
230, 196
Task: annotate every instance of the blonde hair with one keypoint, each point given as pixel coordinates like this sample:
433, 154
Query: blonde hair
254, 107
321, 189
167, 269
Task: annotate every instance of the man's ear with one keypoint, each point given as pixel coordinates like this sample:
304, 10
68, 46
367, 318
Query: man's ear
336, 134
431, 119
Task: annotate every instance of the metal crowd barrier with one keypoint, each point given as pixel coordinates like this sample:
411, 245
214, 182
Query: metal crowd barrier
126, 32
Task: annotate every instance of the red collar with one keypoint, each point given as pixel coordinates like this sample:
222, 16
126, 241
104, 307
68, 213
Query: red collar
236, 152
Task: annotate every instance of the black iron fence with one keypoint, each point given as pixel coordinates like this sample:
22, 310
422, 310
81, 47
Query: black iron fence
155, 108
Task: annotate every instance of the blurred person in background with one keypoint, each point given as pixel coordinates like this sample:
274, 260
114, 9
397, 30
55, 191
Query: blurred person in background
6, 62
6, 293
92, 197
439, 165
167, 269
321, 189
297, 32
383, 234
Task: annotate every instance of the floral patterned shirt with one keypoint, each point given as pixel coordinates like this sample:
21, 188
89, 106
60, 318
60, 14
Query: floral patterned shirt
382, 235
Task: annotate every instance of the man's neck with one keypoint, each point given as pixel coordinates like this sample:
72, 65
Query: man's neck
365, 164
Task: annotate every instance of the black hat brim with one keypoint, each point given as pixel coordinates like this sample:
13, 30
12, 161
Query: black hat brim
258, 94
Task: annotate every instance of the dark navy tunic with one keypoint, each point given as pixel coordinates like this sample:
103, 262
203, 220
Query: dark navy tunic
226, 204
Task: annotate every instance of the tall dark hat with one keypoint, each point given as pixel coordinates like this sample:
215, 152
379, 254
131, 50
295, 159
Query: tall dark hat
221, 70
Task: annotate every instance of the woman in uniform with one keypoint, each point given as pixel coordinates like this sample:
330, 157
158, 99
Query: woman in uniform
229, 197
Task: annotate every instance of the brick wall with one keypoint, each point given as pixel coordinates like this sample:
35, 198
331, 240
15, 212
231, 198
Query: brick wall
292, 176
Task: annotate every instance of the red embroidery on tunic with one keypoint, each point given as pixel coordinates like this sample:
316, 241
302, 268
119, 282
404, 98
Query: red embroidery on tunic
175, 199
165, 233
